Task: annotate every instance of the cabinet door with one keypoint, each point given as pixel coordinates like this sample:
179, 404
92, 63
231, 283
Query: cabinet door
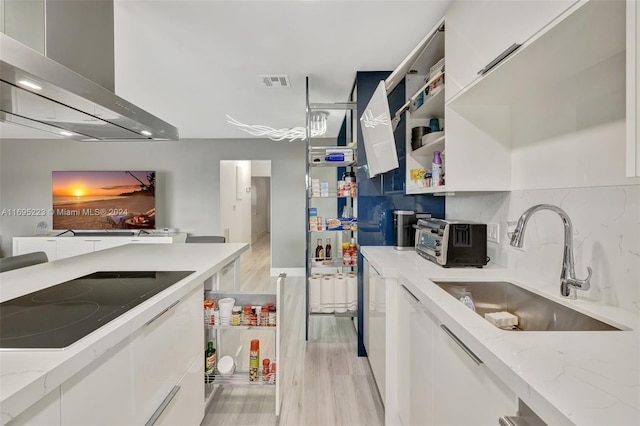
421, 388
30, 245
72, 246
101, 394
466, 393
376, 329
105, 243
185, 407
162, 351
406, 306
479, 31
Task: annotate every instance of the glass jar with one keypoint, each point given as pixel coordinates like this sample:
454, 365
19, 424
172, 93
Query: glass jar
246, 318
264, 316
235, 315
272, 316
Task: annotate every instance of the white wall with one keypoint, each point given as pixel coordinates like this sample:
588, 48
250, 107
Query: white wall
188, 183
235, 201
261, 168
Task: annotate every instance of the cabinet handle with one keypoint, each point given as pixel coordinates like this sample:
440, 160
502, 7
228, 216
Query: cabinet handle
163, 312
162, 407
411, 294
501, 57
468, 351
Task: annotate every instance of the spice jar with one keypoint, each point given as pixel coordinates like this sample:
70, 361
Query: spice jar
272, 316
266, 370
246, 319
264, 316
235, 315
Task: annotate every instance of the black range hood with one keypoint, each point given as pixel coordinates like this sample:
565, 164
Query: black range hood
40, 93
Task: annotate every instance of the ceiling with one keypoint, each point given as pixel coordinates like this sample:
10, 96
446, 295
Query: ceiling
192, 62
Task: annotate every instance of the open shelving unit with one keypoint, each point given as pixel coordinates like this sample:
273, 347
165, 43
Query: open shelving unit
240, 335
315, 163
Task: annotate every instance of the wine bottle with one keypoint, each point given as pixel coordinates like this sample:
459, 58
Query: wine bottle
327, 249
319, 250
210, 362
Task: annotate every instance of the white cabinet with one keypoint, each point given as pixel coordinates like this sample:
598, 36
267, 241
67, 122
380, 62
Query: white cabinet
375, 319
162, 351
129, 384
179, 409
439, 380
63, 247
479, 31
633, 85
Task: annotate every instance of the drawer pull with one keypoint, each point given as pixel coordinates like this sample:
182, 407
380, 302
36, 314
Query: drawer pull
165, 402
468, 351
411, 294
163, 312
501, 57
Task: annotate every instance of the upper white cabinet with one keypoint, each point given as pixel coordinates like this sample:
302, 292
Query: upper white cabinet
479, 31
550, 115
633, 82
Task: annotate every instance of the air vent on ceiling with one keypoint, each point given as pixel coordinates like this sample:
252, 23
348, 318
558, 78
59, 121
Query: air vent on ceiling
275, 80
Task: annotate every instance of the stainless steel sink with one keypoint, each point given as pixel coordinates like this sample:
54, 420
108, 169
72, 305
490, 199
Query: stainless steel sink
535, 313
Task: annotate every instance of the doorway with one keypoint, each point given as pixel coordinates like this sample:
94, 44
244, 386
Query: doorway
245, 216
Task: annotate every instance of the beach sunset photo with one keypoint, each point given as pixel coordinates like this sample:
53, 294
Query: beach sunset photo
91, 200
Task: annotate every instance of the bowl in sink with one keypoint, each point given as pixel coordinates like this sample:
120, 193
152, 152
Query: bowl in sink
534, 312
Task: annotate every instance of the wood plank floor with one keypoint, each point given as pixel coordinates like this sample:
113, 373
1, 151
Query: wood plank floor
324, 382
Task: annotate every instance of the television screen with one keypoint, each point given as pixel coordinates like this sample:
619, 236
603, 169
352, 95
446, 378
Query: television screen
377, 134
91, 200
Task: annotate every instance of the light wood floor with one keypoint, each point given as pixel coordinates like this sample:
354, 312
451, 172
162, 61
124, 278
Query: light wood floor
324, 382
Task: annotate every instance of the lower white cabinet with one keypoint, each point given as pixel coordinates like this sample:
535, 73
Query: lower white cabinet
375, 328
63, 247
439, 380
129, 384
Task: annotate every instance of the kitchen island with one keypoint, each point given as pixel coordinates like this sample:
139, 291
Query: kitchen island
565, 377
118, 362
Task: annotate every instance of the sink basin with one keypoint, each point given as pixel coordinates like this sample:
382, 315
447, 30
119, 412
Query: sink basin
534, 312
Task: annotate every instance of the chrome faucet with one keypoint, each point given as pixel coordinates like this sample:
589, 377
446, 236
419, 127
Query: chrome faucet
568, 281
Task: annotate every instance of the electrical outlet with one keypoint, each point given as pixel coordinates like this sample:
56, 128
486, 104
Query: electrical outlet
493, 232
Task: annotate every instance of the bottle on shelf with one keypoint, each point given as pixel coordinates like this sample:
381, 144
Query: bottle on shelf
327, 249
346, 254
436, 169
353, 252
319, 250
210, 362
254, 360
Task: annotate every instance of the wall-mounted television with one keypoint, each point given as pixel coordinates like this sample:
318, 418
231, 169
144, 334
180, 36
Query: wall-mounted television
377, 134
103, 200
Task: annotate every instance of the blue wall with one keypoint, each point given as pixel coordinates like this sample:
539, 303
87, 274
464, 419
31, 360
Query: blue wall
379, 196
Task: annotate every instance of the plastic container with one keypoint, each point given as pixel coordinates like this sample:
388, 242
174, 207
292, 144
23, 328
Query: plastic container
436, 169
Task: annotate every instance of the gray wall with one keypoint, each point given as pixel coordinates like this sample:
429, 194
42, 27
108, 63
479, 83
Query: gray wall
188, 182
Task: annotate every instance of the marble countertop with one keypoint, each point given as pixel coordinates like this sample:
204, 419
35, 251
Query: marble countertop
27, 375
579, 377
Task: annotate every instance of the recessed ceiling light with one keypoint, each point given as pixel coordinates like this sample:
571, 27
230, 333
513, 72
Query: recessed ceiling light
65, 133
146, 132
29, 84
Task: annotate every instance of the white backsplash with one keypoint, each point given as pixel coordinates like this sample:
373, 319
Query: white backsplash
606, 232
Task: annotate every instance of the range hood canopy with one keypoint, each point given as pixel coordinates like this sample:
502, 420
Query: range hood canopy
38, 92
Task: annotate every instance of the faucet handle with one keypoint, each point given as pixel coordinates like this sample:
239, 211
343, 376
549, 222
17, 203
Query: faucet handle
581, 284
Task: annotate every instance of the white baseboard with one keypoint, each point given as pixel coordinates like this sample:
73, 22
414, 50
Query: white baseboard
291, 272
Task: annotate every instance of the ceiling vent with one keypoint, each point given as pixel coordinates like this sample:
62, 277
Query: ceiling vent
275, 80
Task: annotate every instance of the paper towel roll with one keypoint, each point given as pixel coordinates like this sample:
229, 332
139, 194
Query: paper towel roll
340, 293
315, 282
352, 292
326, 293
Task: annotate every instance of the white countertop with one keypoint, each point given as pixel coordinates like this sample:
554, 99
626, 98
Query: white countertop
579, 377
27, 375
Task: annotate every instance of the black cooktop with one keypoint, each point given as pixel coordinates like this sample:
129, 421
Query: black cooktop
57, 316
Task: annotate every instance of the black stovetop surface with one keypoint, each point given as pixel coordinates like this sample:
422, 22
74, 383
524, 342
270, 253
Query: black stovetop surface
58, 316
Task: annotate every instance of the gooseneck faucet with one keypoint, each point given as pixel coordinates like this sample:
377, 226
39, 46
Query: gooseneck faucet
568, 281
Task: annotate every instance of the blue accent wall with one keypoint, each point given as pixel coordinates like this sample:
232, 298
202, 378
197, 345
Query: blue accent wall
379, 196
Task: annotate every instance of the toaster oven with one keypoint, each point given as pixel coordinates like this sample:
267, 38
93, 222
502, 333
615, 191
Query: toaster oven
451, 243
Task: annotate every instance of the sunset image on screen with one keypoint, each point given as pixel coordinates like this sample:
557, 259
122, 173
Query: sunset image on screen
89, 200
